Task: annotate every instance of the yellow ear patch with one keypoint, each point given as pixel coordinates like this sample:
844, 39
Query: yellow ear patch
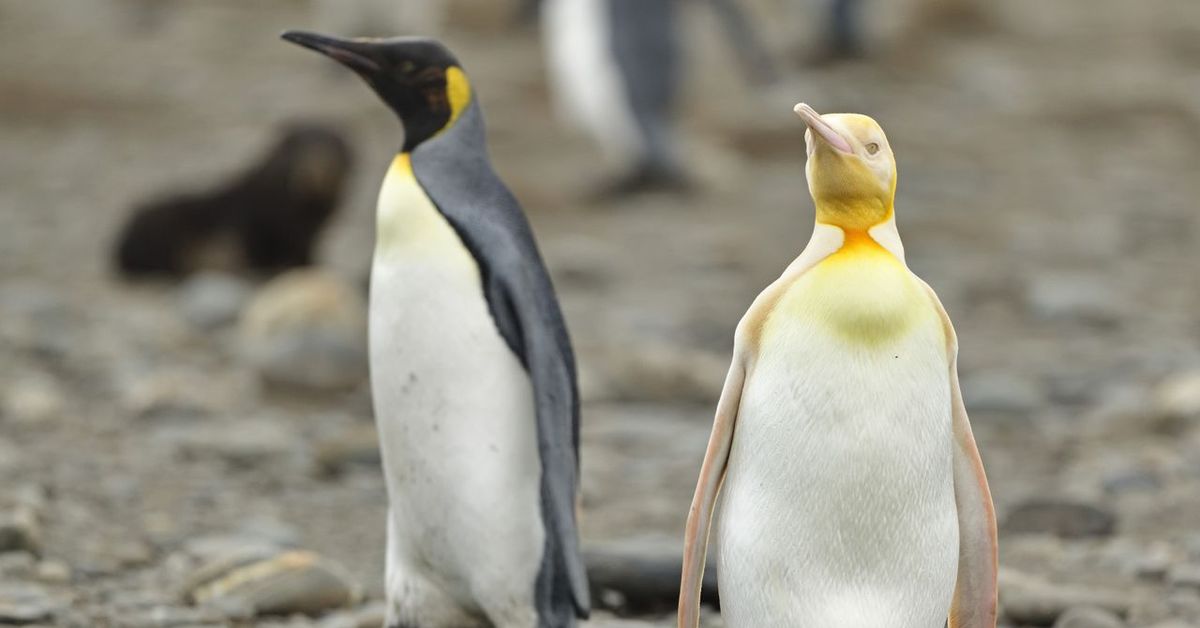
458, 92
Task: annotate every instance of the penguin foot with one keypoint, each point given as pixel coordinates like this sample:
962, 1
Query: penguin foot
649, 180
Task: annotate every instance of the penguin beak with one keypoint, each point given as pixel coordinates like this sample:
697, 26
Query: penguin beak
360, 56
822, 129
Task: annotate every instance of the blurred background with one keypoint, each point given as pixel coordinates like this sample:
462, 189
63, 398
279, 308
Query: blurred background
157, 436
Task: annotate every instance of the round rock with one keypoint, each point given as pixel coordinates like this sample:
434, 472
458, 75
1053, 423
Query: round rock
307, 329
1062, 518
210, 300
1088, 617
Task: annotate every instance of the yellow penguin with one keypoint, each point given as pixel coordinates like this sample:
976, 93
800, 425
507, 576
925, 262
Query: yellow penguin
852, 492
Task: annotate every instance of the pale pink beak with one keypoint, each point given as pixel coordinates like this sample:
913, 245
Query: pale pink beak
822, 129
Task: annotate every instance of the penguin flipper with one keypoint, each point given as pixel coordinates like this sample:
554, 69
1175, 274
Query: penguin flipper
975, 593
712, 473
535, 322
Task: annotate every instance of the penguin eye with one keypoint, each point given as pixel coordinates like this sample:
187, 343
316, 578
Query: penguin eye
407, 67
872, 148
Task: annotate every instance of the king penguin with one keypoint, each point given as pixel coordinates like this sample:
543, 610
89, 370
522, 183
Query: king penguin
852, 492
614, 66
472, 372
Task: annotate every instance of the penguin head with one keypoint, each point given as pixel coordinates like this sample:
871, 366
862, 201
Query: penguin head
851, 170
416, 76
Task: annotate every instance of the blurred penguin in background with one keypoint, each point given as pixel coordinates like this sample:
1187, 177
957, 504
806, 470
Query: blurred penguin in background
841, 30
266, 220
615, 70
614, 66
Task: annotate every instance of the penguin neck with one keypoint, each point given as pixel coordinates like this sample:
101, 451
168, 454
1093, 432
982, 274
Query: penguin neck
850, 236
463, 137
854, 213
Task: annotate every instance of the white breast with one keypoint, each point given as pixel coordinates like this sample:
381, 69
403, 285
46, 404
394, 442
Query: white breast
587, 83
456, 419
838, 506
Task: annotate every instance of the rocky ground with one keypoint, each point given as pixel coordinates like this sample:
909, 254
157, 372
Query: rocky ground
164, 462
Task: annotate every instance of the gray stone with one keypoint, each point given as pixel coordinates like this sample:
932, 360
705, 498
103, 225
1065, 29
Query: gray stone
53, 572
657, 372
250, 443
356, 447
32, 399
1031, 601
36, 318
1153, 563
369, 616
1001, 391
1185, 576
20, 530
17, 565
22, 603
10, 456
169, 395
211, 300
1073, 296
307, 329
294, 581
1131, 481
1063, 518
1177, 398
1088, 617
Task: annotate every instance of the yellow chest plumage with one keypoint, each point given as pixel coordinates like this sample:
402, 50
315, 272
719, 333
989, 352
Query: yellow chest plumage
408, 227
861, 293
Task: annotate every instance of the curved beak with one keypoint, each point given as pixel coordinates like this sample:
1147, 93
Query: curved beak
360, 56
822, 129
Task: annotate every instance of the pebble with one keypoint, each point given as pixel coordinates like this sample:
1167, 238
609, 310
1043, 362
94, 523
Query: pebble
1073, 296
294, 581
33, 399
1177, 399
210, 300
10, 456
18, 565
369, 616
169, 395
20, 530
1063, 518
307, 329
1031, 601
1153, 563
1001, 391
23, 603
657, 372
36, 318
246, 444
356, 447
1088, 617
1131, 481
1185, 576
53, 572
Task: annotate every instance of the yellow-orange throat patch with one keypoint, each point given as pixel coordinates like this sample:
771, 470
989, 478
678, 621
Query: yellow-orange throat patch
861, 292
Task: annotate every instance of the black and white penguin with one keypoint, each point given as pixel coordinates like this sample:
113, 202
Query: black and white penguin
471, 367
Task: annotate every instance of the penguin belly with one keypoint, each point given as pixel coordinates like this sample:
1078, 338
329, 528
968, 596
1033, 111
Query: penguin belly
838, 505
455, 413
